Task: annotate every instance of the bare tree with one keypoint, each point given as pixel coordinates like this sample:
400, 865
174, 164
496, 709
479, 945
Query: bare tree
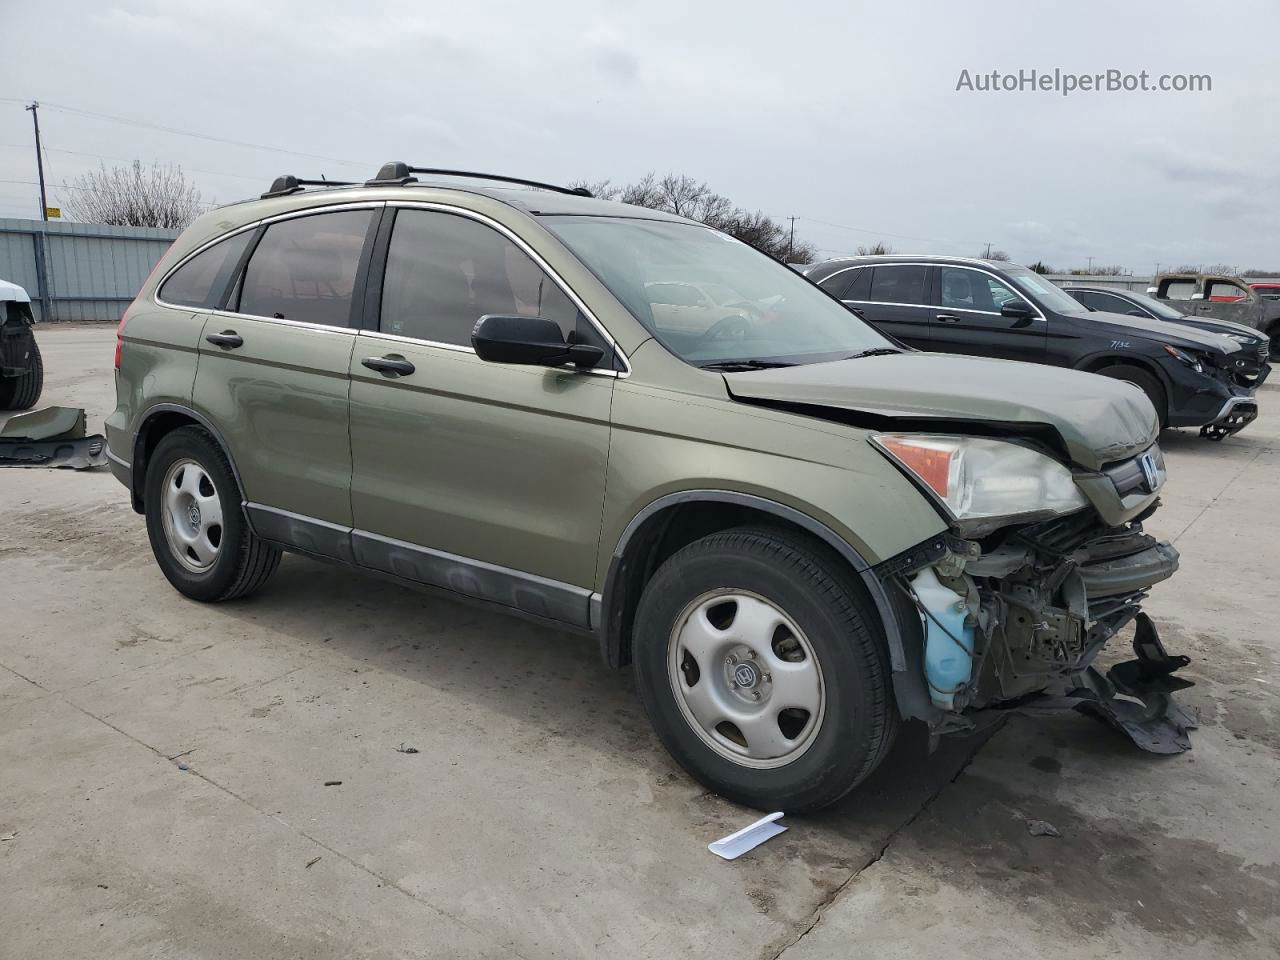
134, 196
998, 255
877, 249
1041, 267
686, 197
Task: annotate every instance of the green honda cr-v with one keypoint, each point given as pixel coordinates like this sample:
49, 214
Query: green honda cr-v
796, 531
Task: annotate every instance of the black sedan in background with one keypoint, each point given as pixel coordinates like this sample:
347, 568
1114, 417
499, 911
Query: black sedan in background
1193, 378
1114, 300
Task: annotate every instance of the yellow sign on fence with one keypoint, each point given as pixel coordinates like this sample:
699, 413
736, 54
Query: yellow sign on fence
53, 213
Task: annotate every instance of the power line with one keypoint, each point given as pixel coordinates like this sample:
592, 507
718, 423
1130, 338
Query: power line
62, 108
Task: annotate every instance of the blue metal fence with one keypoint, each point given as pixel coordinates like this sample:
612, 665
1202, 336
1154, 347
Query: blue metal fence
79, 271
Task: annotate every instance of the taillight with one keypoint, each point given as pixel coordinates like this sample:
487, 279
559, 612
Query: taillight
146, 284
120, 335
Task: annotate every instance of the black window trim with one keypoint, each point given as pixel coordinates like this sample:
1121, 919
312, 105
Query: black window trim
377, 274
228, 282
260, 226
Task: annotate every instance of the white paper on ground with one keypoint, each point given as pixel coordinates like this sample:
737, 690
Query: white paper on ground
748, 838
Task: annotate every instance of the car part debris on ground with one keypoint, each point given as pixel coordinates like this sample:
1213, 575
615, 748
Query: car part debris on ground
748, 838
52, 437
1042, 828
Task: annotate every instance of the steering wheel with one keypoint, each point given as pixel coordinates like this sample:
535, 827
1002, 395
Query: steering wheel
728, 327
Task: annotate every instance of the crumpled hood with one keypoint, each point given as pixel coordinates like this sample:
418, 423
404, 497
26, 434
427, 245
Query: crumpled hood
1099, 419
1176, 335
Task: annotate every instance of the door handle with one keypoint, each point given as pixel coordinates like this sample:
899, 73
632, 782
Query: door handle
392, 363
227, 338
947, 318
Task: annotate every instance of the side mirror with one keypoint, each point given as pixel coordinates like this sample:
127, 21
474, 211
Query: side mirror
1017, 309
534, 341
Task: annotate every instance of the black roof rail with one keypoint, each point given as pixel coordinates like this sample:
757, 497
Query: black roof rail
397, 174
283, 186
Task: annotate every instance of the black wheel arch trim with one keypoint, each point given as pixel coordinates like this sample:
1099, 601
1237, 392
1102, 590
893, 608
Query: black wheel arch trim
138, 463
606, 609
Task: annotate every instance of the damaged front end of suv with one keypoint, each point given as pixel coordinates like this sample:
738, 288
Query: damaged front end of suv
1013, 615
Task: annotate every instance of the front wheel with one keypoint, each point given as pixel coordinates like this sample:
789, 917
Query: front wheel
763, 669
196, 524
1145, 382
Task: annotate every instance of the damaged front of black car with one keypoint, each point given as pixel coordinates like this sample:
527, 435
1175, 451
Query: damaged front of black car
1045, 559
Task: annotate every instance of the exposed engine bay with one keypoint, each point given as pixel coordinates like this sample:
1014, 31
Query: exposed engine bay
1016, 621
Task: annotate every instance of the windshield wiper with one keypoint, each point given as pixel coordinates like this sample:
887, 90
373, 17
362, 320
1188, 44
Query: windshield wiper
729, 366
873, 352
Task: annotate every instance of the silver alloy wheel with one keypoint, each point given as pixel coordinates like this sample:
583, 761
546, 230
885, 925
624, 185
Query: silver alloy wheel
746, 678
192, 515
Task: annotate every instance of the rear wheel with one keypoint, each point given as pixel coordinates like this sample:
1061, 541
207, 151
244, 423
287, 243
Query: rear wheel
22, 392
196, 524
1144, 381
763, 669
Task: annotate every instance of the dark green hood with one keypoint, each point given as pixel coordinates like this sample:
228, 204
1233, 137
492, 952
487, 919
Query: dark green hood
1098, 419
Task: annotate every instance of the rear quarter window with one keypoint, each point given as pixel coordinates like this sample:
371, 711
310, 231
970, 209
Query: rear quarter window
202, 280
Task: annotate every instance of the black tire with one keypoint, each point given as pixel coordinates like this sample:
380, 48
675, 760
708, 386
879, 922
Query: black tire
243, 561
808, 583
1147, 383
22, 392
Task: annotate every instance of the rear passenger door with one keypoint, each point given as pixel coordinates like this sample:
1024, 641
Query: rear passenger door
968, 320
273, 374
896, 302
484, 478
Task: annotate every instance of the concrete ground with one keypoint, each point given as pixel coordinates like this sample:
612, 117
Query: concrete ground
540, 817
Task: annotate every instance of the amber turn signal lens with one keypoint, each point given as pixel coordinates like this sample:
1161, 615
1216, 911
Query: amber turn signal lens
930, 464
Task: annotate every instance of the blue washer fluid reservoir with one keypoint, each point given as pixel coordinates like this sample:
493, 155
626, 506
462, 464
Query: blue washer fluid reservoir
948, 644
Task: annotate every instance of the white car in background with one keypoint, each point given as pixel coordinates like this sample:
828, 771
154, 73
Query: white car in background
21, 366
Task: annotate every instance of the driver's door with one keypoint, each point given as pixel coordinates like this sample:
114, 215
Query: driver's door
481, 477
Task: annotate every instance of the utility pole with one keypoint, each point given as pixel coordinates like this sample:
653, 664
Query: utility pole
791, 240
44, 201
987, 255
1091, 266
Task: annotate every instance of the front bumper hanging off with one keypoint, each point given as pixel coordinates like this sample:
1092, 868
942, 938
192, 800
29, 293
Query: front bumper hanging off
1146, 712
1237, 413
1016, 625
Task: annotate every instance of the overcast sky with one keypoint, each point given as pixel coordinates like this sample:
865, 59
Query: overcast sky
837, 113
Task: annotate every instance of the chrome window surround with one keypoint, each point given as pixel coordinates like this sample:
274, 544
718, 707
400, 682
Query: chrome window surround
928, 306
353, 331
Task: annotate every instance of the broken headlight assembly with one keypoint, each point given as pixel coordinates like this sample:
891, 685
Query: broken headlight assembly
984, 484
1194, 362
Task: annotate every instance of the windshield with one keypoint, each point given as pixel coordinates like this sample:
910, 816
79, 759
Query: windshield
1155, 306
1045, 291
757, 309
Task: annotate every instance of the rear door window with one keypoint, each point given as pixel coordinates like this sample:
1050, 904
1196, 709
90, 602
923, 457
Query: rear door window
903, 283
202, 280
305, 269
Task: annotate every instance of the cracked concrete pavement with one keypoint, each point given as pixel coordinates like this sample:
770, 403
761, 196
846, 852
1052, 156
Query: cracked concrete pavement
541, 818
